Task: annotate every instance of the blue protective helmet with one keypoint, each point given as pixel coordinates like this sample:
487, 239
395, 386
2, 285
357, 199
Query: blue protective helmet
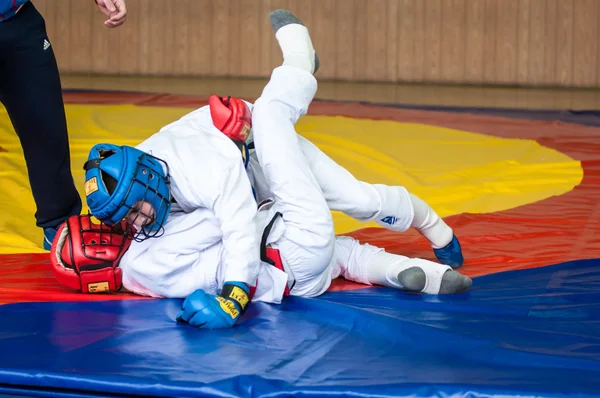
117, 178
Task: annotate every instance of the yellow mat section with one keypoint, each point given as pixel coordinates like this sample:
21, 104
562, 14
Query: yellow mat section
454, 171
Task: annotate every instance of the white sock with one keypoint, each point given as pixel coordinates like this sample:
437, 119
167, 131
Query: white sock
383, 270
296, 46
429, 224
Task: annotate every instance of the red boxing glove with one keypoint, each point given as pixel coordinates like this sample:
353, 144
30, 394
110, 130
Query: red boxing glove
231, 116
85, 256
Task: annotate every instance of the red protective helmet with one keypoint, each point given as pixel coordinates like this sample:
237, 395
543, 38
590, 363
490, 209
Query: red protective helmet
85, 256
231, 116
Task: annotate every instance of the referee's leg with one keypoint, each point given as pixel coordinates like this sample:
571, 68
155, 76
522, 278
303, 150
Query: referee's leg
30, 89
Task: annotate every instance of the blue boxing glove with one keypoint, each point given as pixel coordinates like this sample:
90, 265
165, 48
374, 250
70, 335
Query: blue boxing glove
451, 254
207, 311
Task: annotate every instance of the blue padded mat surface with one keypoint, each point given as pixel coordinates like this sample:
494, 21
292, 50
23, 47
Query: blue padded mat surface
530, 332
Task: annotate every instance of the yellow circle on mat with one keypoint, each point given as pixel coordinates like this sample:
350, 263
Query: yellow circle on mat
454, 171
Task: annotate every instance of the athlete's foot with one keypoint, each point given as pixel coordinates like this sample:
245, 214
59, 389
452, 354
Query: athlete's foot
413, 279
49, 235
294, 41
453, 282
451, 254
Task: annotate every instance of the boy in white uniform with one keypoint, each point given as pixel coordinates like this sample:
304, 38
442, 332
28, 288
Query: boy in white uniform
188, 184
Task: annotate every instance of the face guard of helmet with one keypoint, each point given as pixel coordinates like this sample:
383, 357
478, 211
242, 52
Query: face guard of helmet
122, 182
85, 256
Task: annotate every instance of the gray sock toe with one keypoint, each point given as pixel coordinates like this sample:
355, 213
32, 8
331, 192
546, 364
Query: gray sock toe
453, 282
281, 18
413, 279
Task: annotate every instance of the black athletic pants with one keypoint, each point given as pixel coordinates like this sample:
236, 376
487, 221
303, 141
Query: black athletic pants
30, 89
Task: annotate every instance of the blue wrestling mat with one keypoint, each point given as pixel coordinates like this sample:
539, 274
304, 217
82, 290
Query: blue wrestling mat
532, 332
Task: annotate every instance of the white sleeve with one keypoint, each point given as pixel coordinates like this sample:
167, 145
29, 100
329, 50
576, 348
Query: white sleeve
235, 208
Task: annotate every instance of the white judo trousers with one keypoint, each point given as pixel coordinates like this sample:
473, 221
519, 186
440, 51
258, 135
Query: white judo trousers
305, 185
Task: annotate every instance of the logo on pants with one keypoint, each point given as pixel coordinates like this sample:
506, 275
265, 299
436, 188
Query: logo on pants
389, 220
